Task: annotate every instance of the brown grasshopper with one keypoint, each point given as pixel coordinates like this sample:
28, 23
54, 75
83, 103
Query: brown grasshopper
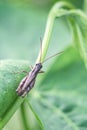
27, 83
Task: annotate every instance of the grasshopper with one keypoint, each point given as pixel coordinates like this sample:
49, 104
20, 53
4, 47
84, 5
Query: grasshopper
27, 83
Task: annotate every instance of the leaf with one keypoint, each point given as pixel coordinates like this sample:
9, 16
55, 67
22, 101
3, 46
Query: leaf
60, 99
11, 72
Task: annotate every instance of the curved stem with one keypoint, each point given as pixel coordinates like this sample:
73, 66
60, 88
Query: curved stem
78, 13
25, 123
49, 26
77, 34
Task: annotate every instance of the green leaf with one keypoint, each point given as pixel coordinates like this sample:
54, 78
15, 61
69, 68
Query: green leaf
59, 100
11, 72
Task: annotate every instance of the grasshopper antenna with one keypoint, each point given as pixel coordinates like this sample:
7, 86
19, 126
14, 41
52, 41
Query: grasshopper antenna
52, 56
40, 48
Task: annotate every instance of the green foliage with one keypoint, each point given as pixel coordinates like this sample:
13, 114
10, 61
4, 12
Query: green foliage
59, 98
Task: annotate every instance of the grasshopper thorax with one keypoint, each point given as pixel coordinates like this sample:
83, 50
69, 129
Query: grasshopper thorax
38, 66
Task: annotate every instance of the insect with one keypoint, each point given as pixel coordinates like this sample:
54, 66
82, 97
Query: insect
27, 83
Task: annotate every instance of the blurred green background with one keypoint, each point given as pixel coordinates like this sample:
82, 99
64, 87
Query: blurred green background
22, 23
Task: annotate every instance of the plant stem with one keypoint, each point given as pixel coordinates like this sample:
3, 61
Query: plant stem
25, 123
77, 33
10, 112
49, 26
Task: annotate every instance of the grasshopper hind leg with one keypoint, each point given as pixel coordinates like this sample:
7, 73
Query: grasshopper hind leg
28, 88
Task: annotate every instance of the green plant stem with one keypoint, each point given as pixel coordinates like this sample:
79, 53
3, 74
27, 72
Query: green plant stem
25, 122
56, 11
77, 12
10, 112
77, 34
49, 27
